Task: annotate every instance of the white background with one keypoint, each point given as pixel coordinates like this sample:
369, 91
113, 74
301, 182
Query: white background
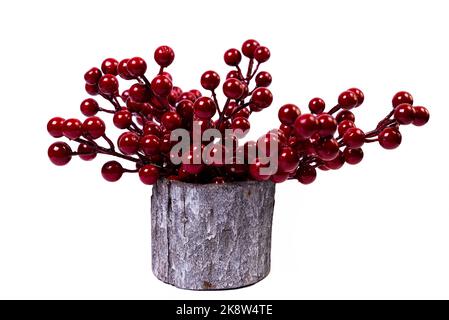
376, 230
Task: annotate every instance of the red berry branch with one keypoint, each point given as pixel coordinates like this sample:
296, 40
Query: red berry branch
151, 112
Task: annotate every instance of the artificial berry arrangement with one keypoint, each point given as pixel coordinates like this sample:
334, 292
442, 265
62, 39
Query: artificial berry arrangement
150, 111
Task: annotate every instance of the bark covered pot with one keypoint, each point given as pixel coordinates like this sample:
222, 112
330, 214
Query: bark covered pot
211, 236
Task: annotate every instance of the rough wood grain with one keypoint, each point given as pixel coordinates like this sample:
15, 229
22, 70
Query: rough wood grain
207, 237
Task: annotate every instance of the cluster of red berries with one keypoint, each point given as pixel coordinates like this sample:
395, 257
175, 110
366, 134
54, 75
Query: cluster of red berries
149, 111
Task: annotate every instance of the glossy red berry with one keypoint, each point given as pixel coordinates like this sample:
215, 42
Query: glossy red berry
164, 56
161, 86
109, 66
402, 97
232, 57
245, 113
91, 89
262, 98
94, 127
257, 168
233, 88
122, 119
210, 80
139, 93
327, 125
89, 107
353, 156
327, 149
204, 108
149, 174
55, 126
72, 128
60, 153
185, 109
136, 67
150, 144
92, 76
279, 177
128, 143
86, 151
421, 116
261, 54
354, 138
151, 127
192, 162
317, 105
108, 84
122, 70
187, 96
234, 74
359, 94
390, 138
404, 113
345, 115
288, 113
112, 171
171, 120
306, 125
347, 100
344, 126
249, 47
263, 79
306, 174
288, 159
242, 124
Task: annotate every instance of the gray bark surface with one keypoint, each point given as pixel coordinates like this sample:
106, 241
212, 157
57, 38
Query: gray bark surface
211, 236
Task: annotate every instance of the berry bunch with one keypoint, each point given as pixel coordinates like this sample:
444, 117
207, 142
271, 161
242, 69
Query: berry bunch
151, 112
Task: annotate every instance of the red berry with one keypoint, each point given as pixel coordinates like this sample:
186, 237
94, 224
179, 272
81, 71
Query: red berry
149, 174
345, 115
108, 84
204, 108
187, 96
86, 151
164, 56
72, 128
359, 94
191, 162
92, 76
150, 144
128, 143
122, 119
185, 109
317, 105
306, 174
249, 47
288, 113
109, 66
139, 93
136, 67
256, 170
306, 125
55, 126
232, 57
262, 98
353, 156
327, 125
210, 80
421, 116
354, 138
402, 97
91, 89
240, 123
261, 54
245, 113
279, 177
94, 127
288, 159
89, 107
344, 126
327, 149
59, 153
151, 127
171, 120
337, 162
234, 74
390, 138
122, 70
404, 113
161, 86
347, 100
112, 171
233, 88
263, 79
